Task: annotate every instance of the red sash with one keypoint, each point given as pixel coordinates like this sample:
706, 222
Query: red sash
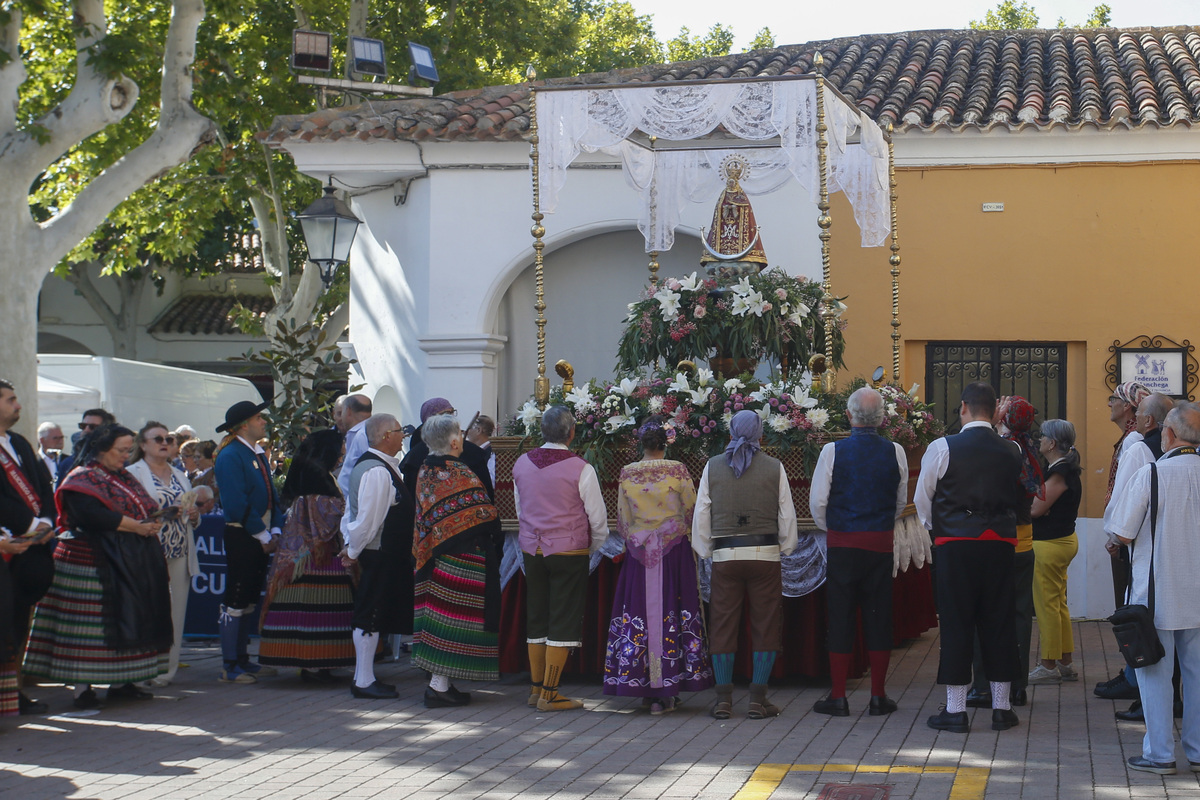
20, 482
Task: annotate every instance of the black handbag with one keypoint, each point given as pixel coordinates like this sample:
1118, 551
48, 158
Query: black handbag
1133, 624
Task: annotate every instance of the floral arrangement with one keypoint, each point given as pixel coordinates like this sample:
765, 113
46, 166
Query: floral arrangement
699, 407
770, 315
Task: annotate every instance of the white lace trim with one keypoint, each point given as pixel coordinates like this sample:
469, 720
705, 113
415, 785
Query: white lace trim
589, 120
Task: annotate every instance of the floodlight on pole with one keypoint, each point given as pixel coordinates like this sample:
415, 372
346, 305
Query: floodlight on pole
423, 65
312, 50
329, 228
366, 56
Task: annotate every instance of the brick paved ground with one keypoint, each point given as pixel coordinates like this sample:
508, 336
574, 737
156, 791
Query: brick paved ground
286, 739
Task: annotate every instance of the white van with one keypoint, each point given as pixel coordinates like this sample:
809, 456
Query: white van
136, 391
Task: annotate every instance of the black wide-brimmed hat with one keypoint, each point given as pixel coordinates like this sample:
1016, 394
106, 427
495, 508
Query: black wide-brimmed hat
239, 413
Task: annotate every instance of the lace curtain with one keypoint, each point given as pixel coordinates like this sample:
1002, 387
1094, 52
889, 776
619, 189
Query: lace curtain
574, 121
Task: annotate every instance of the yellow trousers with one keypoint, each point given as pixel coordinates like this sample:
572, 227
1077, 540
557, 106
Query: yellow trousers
1050, 561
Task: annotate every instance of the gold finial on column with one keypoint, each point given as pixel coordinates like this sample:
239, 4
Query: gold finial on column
654, 269
894, 260
541, 384
828, 311
567, 373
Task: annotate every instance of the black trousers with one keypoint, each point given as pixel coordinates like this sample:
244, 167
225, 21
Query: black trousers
975, 591
245, 568
858, 579
1023, 586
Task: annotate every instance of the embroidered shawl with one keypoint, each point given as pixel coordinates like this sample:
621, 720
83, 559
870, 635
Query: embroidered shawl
654, 508
118, 491
312, 536
451, 502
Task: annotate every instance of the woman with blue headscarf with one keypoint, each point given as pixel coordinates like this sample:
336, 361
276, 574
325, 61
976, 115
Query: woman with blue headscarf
744, 521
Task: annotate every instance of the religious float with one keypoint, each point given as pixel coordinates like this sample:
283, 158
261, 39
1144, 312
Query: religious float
772, 341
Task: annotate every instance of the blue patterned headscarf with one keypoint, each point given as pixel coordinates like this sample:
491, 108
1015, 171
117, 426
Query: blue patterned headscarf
745, 431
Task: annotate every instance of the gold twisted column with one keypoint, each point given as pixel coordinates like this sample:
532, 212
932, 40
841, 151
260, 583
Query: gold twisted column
824, 221
541, 384
654, 269
894, 260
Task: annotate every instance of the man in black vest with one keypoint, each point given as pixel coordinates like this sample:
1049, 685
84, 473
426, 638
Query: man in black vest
26, 507
967, 495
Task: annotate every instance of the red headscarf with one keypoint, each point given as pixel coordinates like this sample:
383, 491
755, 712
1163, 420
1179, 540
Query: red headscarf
1018, 418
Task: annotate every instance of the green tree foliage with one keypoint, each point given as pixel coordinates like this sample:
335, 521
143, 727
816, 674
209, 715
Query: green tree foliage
763, 40
1011, 15
688, 47
1008, 15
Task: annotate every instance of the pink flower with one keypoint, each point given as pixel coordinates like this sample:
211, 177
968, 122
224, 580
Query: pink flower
781, 294
673, 285
699, 311
766, 306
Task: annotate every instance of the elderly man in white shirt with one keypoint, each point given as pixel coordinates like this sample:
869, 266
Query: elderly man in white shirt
1167, 560
378, 530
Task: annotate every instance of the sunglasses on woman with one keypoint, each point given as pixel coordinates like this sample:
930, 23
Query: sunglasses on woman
161, 439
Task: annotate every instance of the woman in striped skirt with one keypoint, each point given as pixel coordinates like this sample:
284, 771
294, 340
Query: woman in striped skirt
456, 547
307, 615
106, 618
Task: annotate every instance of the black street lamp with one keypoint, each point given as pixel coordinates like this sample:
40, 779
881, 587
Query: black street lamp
329, 227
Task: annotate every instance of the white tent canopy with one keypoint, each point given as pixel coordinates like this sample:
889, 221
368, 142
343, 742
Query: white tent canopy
673, 137
60, 400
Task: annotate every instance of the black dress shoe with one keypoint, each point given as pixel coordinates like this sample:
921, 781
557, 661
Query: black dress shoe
1116, 689
87, 700
318, 676
979, 699
833, 706
946, 721
376, 691
30, 707
1132, 714
1019, 698
127, 692
1003, 719
465, 697
435, 699
881, 706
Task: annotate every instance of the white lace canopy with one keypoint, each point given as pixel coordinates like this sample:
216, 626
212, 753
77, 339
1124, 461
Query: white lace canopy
572, 121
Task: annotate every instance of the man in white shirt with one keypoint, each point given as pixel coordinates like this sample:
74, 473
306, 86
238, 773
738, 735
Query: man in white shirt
968, 494
1172, 551
744, 520
50, 445
356, 410
378, 530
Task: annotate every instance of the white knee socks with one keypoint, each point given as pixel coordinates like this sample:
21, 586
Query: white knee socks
364, 664
1000, 694
956, 698
439, 683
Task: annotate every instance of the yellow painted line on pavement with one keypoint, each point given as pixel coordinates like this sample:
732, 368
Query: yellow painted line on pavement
969, 782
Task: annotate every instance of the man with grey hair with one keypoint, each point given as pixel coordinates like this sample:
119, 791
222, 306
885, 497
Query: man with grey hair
561, 519
377, 528
356, 410
858, 491
50, 445
1155, 517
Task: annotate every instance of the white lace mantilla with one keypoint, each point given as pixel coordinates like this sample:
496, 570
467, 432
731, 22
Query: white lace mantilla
783, 113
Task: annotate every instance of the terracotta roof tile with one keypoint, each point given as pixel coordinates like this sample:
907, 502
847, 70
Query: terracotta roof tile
922, 80
207, 314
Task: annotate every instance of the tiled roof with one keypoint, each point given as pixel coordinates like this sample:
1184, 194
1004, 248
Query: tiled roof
924, 80
208, 314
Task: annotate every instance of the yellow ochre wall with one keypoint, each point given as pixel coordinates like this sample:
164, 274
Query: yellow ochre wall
1085, 254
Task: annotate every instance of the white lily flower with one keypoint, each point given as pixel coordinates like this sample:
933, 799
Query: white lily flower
727, 417
838, 308
733, 385
615, 423
763, 393
691, 283
800, 398
700, 396
529, 414
626, 387
763, 412
740, 306
580, 398
819, 418
779, 423
668, 303
913, 391
704, 376
742, 287
680, 384
757, 304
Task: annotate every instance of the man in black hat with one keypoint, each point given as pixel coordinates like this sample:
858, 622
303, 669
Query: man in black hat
253, 519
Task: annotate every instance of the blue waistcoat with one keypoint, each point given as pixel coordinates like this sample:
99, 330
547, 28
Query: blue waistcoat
862, 494
245, 492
